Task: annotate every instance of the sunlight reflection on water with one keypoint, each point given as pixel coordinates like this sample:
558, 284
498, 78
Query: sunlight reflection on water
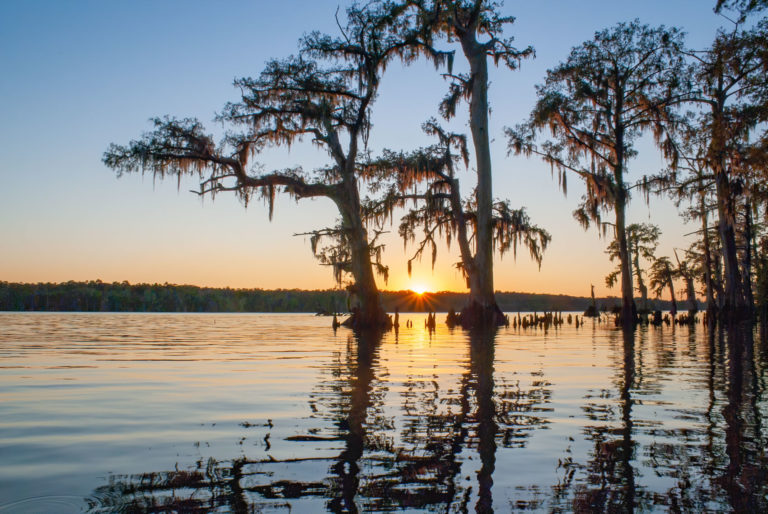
235, 411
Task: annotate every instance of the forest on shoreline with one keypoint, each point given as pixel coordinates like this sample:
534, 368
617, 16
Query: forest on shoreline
98, 296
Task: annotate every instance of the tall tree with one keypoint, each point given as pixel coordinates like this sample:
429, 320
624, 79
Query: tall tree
732, 94
690, 180
477, 26
325, 93
642, 240
607, 93
427, 176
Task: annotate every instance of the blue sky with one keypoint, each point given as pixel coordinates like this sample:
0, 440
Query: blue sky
80, 75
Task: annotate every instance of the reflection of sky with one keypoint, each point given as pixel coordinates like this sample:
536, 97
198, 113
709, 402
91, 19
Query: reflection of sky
77, 76
86, 397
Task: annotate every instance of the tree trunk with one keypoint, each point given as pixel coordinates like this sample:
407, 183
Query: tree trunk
690, 291
708, 273
640, 284
368, 313
482, 308
734, 306
628, 309
643, 294
747, 268
673, 310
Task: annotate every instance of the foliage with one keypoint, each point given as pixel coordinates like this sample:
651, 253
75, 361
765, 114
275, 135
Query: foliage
479, 223
642, 240
596, 105
325, 93
662, 275
427, 176
743, 7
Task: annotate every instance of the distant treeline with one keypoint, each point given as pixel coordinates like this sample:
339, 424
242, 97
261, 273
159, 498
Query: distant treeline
97, 296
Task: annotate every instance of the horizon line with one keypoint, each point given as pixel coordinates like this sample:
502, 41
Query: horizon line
341, 289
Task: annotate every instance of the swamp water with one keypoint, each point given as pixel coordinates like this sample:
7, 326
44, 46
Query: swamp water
279, 413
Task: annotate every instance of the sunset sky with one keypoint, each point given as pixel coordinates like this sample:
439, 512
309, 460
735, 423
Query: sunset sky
77, 76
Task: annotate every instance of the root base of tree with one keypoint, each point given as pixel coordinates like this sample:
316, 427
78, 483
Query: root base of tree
475, 315
359, 321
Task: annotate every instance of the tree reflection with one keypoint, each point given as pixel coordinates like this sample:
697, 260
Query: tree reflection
714, 461
349, 395
376, 467
482, 350
745, 475
443, 440
610, 482
721, 466
484, 414
353, 422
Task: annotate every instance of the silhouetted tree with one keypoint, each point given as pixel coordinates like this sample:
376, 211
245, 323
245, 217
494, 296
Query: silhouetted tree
596, 104
690, 180
325, 93
642, 240
687, 272
477, 26
442, 211
761, 281
662, 276
732, 94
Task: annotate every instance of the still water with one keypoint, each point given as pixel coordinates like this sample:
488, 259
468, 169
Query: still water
279, 413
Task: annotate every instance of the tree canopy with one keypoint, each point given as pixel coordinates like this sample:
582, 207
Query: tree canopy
325, 93
595, 105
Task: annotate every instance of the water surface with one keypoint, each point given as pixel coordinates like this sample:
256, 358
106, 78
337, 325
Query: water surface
278, 413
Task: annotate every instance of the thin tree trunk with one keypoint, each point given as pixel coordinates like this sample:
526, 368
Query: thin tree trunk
467, 261
671, 286
640, 284
747, 268
628, 309
690, 292
711, 306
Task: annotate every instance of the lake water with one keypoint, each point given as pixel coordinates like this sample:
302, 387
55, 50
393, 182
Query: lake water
279, 413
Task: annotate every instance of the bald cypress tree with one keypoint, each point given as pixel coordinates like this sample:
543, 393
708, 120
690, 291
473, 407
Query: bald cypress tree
642, 240
691, 181
731, 97
476, 26
427, 177
326, 94
662, 275
596, 104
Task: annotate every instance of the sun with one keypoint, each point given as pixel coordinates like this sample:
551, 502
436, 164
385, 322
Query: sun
419, 289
